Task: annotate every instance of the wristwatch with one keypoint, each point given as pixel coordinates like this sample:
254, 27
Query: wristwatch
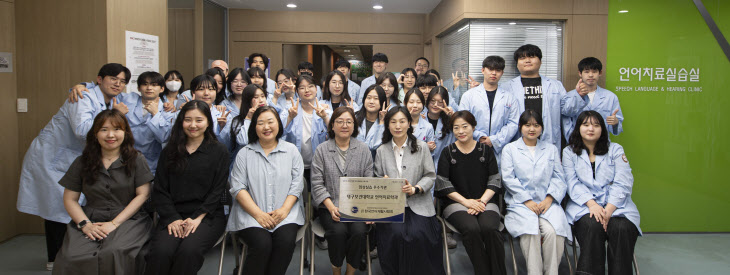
82, 224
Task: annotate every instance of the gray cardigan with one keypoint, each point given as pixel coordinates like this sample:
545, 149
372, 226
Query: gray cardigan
327, 169
417, 168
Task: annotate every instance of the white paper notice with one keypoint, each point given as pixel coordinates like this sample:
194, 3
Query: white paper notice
6, 62
143, 54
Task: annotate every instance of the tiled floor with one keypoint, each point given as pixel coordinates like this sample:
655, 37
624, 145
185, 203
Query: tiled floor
656, 254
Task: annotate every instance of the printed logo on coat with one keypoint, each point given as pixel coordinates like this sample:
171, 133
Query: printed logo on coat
623, 157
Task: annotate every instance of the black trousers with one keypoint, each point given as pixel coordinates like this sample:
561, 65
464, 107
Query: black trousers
482, 240
346, 240
268, 253
171, 255
55, 232
621, 235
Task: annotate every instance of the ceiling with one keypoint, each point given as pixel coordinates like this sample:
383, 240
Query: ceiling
389, 6
349, 52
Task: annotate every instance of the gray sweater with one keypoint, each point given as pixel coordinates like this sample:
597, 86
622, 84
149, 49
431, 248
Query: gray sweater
327, 168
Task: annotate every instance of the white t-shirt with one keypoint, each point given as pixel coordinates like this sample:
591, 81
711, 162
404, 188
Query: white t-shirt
591, 95
532, 150
307, 152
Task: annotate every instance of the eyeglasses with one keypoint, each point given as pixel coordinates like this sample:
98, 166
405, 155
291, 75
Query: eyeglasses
421, 66
117, 80
343, 122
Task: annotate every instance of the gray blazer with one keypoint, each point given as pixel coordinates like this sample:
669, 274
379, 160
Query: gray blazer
327, 169
417, 168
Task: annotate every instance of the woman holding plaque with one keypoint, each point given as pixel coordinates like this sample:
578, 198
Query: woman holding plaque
414, 246
342, 155
468, 182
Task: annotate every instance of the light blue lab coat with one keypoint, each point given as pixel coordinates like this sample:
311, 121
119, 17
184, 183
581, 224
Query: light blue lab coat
552, 94
179, 100
331, 110
242, 135
441, 143
533, 178
354, 90
455, 94
294, 132
231, 106
500, 123
423, 130
374, 137
150, 132
50, 155
222, 133
613, 183
604, 102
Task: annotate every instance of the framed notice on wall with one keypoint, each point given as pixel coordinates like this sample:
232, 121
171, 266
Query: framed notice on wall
143, 54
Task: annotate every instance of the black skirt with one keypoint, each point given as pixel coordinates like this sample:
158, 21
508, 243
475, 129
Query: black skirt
412, 247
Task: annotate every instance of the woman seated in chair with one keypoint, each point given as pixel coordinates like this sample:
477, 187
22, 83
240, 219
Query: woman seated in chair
533, 176
340, 156
108, 233
469, 184
414, 246
600, 207
266, 182
191, 177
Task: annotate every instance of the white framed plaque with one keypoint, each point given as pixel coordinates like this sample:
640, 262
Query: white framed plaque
379, 200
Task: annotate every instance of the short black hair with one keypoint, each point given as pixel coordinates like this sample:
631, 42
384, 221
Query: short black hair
167, 76
256, 71
151, 78
433, 71
427, 80
343, 63
306, 66
380, 57
424, 59
493, 62
252, 136
339, 111
114, 69
528, 50
263, 56
590, 63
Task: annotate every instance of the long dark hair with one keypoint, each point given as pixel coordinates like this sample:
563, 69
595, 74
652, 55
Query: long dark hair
232, 76
256, 71
362, 113
327, 95
576, 140
166, 91
220, 95
446, 128
387, 136
393, 81
91, 156
176, 152
248, 93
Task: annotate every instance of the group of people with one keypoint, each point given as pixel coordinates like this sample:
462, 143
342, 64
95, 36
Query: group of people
148, 182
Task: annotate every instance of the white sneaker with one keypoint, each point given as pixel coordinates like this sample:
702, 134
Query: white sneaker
49, 266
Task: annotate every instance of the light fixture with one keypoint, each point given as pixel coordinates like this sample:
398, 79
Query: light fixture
350, 55
291, 5
499, 28
623, 11
512, 23
560, 29
347, 51
530, 28
378, 7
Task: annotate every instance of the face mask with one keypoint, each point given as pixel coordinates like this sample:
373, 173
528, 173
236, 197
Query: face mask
173, 85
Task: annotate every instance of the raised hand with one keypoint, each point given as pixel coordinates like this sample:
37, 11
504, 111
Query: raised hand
223, 119
456, 79
293, 110
581, 88
382, 112
220, 108
77, 92
349, 104
401, 78
472, 83
186, 100
277, 93
448, 110
612, 120
152, 107
251, 110
168, 107
120, 106
320, 110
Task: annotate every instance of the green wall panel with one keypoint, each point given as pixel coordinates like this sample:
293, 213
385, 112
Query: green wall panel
676, 133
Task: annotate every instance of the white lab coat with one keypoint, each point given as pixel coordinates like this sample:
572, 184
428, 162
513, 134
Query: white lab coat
552, 94
533, 178
294, 132
441, 143
374, 137
423, 130
150, 132
613, 183
500, 123
51, 154
604, 102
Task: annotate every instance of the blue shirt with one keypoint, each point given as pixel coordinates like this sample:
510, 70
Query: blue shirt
269, 180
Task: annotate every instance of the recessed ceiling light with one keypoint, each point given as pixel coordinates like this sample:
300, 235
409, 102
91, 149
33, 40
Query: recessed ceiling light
499, 28
347, 51
512, 23
378, 7
350, 55
292, 5
623, 11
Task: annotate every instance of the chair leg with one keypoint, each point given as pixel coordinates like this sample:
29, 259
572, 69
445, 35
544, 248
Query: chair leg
512, 249
446, 247
367, 253
636, 265
240, 261
223, 250
311, 252
567, 258
301, 253
575, 253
